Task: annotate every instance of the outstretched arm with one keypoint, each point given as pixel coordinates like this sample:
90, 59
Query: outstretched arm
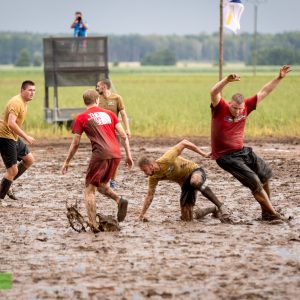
270, 86
215, 93
189, 145
72, 150
147, 203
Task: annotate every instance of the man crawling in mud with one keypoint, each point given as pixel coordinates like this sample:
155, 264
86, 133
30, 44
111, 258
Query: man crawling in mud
189, 175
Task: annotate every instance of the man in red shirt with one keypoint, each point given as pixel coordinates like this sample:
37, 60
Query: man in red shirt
227, 140
99, 125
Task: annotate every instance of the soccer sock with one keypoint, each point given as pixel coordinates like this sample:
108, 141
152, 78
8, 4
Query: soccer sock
21, 170
208, 193
4, 187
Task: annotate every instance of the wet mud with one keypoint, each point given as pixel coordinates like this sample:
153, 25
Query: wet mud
164, 258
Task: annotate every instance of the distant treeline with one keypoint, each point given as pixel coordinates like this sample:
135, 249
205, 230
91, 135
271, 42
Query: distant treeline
272, 49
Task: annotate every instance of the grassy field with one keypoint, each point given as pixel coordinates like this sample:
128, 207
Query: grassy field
169, 101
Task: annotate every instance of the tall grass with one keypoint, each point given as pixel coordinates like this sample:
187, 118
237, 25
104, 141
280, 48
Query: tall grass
169, 101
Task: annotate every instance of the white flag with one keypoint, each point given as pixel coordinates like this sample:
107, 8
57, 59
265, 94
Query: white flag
232, 12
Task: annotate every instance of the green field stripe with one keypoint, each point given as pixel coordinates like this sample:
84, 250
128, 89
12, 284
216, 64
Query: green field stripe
5, 281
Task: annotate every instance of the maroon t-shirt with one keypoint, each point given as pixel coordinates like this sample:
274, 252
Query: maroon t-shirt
99, 125
227, 133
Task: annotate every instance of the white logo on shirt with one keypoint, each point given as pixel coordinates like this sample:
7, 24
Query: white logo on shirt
101, 118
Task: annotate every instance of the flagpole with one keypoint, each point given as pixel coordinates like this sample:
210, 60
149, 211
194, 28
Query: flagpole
254, 40
221, 42
254, 53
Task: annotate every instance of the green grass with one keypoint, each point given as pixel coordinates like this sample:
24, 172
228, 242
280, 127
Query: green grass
169, 101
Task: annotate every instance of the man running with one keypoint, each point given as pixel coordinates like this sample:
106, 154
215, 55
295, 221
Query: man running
12, 148
99, 125
227, 140
171, 166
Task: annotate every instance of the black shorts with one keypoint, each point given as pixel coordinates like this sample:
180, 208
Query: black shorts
188, 192
12, 151
251, 170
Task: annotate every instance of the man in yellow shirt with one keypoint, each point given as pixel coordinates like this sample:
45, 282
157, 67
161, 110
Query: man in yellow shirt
12, 148
171, 166
114, 103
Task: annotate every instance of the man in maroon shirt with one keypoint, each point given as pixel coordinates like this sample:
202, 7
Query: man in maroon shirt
227, 140
99, 125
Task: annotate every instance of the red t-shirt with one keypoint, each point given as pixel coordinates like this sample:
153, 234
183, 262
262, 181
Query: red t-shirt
227, 133
99, 125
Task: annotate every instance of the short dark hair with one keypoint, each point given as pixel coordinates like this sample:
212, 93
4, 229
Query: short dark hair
78, 13
107, 82
238, 98
26, 83
145, 160
90, 97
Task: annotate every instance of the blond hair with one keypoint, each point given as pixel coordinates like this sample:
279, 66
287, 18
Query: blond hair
90, 97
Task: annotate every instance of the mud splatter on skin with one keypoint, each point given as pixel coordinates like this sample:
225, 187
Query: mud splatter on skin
162, 258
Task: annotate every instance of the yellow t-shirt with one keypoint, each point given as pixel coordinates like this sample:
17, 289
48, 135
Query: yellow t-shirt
113, 103
18, 107
173, 168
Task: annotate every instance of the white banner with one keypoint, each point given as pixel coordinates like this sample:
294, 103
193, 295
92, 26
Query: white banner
232, 12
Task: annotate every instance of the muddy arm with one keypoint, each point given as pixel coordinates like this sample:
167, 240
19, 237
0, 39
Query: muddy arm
147, 203
189, 145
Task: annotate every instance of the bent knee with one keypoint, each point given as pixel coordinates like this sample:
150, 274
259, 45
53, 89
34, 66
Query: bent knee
12, 171
198, 183
255, 186
28, 160
102, 188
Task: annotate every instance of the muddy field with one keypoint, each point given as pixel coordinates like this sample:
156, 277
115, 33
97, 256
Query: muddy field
163, 258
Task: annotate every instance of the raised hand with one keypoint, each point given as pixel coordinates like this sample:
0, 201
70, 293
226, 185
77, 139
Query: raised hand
284, 70
233, 77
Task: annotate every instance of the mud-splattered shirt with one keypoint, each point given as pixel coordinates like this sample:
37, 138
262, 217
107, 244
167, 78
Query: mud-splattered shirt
18, 107
173, 168
99, 125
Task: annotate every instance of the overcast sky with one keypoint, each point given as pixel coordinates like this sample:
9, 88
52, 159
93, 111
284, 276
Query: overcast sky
143, 16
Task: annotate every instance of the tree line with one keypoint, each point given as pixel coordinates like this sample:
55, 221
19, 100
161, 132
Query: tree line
272, 49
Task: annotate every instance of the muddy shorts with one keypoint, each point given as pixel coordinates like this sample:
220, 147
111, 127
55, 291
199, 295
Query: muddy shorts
188, 192
100, 171
12, 151
251, 170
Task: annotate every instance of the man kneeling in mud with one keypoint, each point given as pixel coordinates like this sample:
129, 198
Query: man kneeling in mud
99, 125
187, 174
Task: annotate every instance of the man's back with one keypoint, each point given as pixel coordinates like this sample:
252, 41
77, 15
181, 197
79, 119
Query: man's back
99, 125
173, 167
